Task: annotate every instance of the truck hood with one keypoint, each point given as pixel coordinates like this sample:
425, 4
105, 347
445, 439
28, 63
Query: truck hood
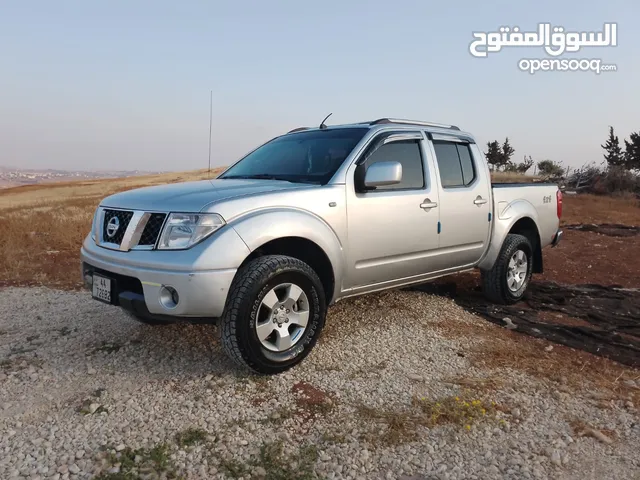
192, 196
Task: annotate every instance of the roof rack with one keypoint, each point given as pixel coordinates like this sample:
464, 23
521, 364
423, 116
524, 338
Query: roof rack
299, 129
412, 122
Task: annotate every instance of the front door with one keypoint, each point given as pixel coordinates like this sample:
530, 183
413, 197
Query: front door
392, 230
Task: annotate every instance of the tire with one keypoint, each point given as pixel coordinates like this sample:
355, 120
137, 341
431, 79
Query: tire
499, 284
243, 328
148, 321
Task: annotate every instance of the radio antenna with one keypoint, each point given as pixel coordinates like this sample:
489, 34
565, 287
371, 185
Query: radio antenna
210, 121
322, 125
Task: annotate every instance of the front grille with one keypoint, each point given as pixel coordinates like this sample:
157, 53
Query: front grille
123, 219
152, 229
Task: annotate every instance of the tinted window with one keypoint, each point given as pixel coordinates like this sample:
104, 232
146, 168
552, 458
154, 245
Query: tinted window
312, 156
466, 162
448, 164
455, 164
408, 154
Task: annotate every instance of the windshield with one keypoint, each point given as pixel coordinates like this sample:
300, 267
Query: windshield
309, 157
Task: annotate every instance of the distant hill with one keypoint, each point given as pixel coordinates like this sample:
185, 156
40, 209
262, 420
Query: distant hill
13, 177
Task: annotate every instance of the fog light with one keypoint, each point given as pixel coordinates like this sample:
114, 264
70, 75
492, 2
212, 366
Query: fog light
169, 297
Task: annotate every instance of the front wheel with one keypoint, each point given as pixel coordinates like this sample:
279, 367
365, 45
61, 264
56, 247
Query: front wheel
509, 277
274, 314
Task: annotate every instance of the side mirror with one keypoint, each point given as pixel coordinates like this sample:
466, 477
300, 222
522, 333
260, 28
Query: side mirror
381, 174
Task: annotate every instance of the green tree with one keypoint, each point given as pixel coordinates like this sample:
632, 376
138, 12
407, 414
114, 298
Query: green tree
499, 156
632, 154
507, 152
551, 169
494, 155
614, 155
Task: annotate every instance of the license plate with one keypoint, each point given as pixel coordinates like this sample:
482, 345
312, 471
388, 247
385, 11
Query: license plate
102, 288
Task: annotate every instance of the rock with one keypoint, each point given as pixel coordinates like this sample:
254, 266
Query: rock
560, 444
549, 348
260, 472
630, 384
244, 442
63, 469
629, 404
73, 468
93, 407
91, 371
556, 459
509, 324
79, 454
120, 447
597, 434
414, 377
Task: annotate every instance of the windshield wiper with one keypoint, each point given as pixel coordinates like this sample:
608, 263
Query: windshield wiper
261, 176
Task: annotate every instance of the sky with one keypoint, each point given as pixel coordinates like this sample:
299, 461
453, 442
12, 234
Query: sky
125, 84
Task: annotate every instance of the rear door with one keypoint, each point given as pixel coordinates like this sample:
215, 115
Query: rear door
465, 201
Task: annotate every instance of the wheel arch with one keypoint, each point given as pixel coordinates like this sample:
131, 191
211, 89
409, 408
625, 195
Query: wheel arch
299, 235
518, 217
527, 227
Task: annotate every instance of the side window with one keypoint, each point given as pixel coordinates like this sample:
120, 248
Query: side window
409, 155
455, 164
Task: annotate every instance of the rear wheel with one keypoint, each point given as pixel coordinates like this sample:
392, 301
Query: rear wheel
274, 314
509, 278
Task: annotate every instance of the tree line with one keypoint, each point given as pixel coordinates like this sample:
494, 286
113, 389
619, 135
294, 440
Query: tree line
499, 159
615, 156
499, 156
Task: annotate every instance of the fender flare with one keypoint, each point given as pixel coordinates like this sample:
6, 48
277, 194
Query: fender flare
259, 227
506, 216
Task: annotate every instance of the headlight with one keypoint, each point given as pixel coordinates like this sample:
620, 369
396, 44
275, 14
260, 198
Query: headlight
184, 230
94, 225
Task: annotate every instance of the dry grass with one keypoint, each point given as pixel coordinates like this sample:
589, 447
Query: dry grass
51, 193
586, 208
44, 225
463, 410
512, 177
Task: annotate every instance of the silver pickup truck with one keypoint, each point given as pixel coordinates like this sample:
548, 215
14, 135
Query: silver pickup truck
310, 218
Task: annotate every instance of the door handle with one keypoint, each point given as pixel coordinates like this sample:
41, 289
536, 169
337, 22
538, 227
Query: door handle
479, 200
428, 204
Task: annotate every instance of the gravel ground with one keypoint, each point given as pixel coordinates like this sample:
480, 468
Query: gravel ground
87, 392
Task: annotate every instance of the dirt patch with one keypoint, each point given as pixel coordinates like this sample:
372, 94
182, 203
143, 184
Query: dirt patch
601, 320
588, 257
613, 317
311, 400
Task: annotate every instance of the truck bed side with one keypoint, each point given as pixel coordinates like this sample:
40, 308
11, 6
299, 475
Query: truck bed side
530, 209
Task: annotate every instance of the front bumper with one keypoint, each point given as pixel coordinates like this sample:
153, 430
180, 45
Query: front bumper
556, 238
202, 293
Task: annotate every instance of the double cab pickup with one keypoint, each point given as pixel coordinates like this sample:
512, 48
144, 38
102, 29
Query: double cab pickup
312, 217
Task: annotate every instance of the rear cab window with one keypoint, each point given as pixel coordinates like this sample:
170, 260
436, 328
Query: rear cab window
455, 163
